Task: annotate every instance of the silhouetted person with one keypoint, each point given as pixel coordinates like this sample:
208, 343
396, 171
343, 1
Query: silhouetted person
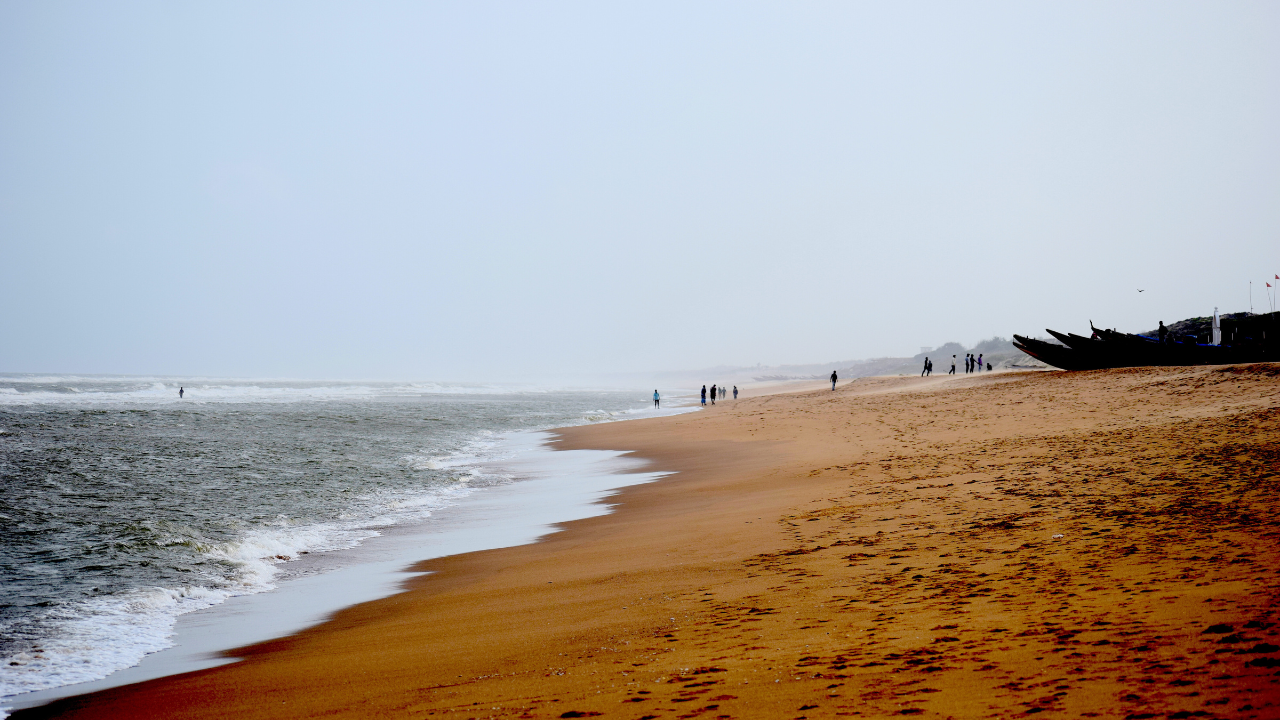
735, 392
925, 369
713, 394
833, 379
988, 367
180, 391
1163, 332
656, 399
928, 368
704, 394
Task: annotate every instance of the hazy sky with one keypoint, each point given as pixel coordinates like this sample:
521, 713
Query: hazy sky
482, 190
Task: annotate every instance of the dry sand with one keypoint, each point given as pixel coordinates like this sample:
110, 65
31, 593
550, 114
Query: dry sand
887, 549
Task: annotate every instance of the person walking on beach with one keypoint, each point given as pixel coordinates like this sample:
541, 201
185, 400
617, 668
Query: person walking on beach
656, 399
953, 365
713, 394
925, 369
735, 392
833, 379
704, 394
181, 390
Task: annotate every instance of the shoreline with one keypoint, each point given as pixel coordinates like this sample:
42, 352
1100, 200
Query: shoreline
770, 575
520, 512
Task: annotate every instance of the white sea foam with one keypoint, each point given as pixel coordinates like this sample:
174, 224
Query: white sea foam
102, 635
99, 636
78, 390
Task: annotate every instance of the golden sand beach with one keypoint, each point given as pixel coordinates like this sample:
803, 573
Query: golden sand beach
1096, 544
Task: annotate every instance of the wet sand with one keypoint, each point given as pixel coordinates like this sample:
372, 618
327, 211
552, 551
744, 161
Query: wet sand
886, 549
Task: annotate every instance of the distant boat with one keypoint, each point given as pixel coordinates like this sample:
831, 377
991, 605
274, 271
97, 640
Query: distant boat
1254, 338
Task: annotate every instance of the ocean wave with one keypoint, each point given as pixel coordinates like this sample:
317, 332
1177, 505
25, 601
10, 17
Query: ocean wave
79, 390
101, 635
90, 639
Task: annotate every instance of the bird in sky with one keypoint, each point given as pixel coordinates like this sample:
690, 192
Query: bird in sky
1141, 290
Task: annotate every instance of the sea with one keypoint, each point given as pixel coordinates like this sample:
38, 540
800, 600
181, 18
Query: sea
124, 507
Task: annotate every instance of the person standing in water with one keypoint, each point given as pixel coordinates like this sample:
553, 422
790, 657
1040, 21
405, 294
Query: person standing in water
833, 379
656, 399
181, 390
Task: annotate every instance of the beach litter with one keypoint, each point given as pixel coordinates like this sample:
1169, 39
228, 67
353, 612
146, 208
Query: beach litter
1059, 536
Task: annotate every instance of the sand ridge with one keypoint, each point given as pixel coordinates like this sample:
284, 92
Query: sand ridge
887, 549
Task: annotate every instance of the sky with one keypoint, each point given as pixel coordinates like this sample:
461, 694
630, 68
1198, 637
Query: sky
510, 191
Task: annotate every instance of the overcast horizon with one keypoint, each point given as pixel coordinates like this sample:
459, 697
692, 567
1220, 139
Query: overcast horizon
505, 192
